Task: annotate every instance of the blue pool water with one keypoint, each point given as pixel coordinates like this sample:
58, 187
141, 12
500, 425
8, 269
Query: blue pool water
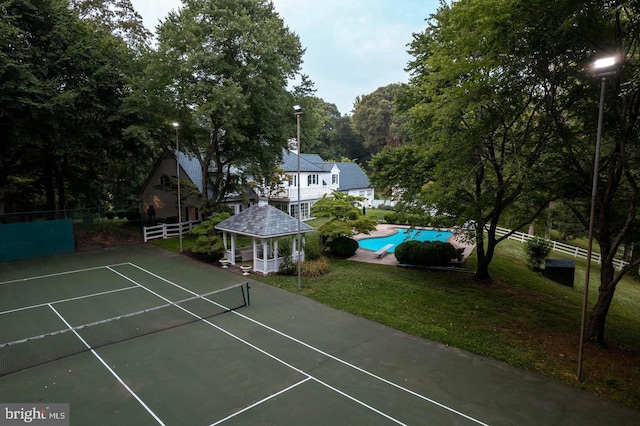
401, 236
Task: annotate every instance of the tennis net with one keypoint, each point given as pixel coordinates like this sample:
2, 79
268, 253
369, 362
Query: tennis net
32, 351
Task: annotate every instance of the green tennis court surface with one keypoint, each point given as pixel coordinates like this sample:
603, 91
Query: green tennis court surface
140, 336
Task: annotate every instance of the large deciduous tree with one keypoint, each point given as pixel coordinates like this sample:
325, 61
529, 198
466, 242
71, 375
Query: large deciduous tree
377, 120
117, 17
62, 84
613, 28
224, 66
477, 120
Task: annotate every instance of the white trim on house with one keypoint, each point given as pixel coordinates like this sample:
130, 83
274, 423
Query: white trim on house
317, 177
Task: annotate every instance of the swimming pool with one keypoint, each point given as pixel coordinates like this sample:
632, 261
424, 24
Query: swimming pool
403, 235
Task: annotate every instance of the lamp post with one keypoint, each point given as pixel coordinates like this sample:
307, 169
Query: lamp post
297, 111
602, 68
176, 125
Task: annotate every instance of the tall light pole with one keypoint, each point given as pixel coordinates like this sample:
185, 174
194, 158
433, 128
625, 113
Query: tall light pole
602, 68
297, 111
176, 125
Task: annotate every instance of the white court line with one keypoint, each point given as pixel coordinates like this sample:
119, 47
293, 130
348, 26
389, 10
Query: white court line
146, 407
251, 345
59, 273
69, 299
390, 383
261, 401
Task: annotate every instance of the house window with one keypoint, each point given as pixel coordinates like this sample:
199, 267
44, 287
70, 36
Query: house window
312, 180
334, 179
305, 210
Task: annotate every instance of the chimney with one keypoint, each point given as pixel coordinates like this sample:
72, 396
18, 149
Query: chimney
262, 202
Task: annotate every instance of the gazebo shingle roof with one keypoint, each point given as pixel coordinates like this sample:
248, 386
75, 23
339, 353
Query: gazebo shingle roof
263, 221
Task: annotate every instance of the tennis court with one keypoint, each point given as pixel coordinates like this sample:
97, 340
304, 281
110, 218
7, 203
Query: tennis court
144, 337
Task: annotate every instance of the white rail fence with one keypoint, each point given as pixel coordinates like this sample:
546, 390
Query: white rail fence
576, 252
168, 230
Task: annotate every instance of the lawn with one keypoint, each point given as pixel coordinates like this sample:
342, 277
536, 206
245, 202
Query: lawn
520, 318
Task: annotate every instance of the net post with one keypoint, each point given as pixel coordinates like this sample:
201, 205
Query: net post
248, 297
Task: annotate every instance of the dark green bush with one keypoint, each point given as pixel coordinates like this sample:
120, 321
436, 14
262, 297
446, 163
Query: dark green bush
289, 266
425, 253
133, 213
121, 214
385, 207
110, 214
414, 219
312, 249
390, 218
343, 247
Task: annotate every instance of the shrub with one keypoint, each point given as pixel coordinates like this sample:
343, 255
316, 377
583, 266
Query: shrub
288, 265
121, 214
132, 213
343, 247
391, 218
110, 214
418, 219
425, 253
312, 249
315, 268
537, 249
209, 242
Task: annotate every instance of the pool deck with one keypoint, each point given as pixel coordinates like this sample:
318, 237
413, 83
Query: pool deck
384, 230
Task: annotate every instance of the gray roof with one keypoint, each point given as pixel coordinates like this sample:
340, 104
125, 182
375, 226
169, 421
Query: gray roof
290, 162
263, 221
352, 177
351, 174
190, 164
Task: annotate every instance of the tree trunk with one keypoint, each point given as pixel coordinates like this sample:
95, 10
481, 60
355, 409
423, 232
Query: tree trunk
598, 316
484, 256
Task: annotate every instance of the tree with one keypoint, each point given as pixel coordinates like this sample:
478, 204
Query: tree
224, 67
487, 157
617, 26
325, 131
377, 119
117, 17
346, 219
63, 84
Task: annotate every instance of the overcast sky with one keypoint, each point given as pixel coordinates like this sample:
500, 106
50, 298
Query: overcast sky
352, 47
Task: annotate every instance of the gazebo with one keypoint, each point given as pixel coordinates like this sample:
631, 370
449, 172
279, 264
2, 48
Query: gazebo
265, 224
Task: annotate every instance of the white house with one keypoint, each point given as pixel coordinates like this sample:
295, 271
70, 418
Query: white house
317, 179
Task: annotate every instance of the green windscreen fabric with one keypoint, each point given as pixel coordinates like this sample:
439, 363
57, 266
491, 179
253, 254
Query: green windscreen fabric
35, 239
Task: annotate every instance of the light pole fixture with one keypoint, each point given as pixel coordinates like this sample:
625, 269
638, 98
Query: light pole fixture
297, 111
600, 68
176, 125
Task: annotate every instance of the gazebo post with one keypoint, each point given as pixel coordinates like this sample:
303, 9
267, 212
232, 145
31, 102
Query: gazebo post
265, 256
233, 248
